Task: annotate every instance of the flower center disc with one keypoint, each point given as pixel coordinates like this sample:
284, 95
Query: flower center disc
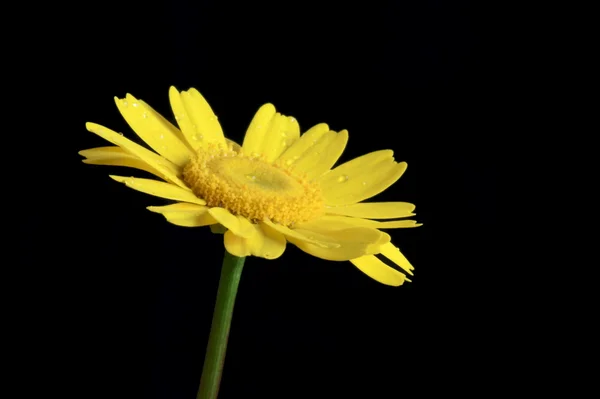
251, 187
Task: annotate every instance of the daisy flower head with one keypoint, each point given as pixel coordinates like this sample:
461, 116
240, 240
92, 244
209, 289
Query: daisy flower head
278, 187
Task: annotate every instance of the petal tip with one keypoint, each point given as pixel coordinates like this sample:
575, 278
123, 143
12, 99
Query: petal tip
120, 179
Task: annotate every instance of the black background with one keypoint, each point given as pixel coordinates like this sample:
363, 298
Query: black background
129, 305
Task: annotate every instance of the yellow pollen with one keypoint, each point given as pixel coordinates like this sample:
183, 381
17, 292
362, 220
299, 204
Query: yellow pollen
249, 186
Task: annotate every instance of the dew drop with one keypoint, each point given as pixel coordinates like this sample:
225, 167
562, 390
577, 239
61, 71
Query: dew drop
251, 177
162, 136
135, 104
197, 137
292, 119
342, 179
364, 183
125, 103
145, 115
289, 162
120, 134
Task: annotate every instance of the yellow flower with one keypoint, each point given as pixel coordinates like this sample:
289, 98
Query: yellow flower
278, 187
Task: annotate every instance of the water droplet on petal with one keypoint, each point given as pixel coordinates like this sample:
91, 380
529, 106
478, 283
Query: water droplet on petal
364, 183
121, 134
162, 136
125, 103
342, 179
145, 115
292, 119
135, 104
251, 177
289, 162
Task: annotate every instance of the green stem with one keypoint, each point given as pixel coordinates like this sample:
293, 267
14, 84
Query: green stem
219, 330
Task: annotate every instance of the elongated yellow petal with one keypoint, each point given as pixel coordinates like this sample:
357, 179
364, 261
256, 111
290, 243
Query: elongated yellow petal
375, 210
361, 178
179, 207
195, 118
116, 156
283, 131
286, 231
270, 133
333, 222
354, 242
392, 252
259, 126
157, 132
239, 225
170, 171
159, 189
306, 141
185, 214
235, 245
379, 271
319, 158
266, 243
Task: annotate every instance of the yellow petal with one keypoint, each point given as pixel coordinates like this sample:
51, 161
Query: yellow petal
283, 131
237, 246
195, 118
239, 225
361, 178
270, 133
379, 271
156, 131
159, 189
116, 156
333, 222
265, 243
185, 214
164, 166
259, 126
375, 210
392, 252
306, 141
354, 242
289, 233
323, 155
